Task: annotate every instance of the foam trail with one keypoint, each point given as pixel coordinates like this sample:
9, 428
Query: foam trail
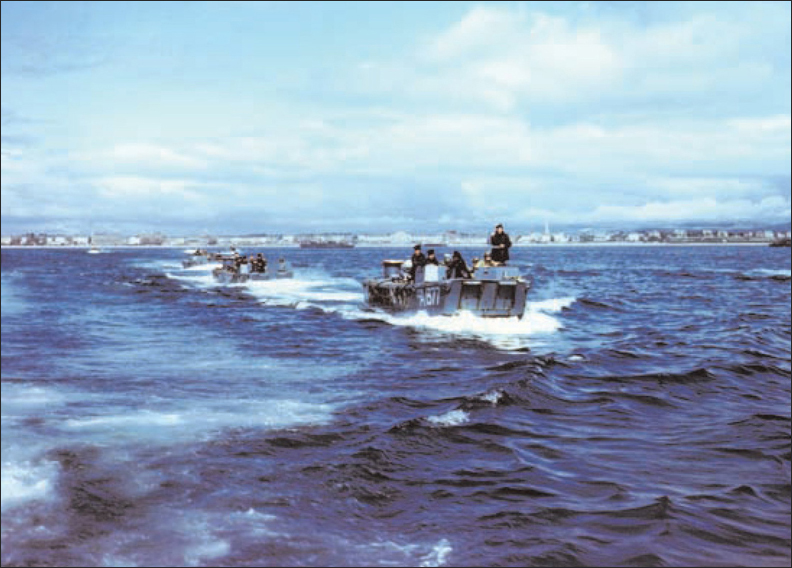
26, 481
439, 554
344, 296
199, 420
388, 553
26, 475
306, 291
553, 305
504, 333
208, 267
198, 279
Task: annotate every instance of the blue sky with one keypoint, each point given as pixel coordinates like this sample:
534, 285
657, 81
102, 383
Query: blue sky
245, 117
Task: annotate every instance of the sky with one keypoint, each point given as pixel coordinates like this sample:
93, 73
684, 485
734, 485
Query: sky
267, 117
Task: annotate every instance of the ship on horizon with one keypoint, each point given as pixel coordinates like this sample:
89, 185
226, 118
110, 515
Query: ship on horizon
322, 244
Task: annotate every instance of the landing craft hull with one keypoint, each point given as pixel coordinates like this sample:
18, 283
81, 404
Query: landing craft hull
484, 298
196, 261
225, 277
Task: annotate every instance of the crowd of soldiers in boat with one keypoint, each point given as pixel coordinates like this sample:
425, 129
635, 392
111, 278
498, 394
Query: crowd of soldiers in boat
455, 264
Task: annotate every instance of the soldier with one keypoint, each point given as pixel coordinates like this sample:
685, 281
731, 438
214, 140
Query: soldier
431, 258
261, 263
417, 259
500, 242
458, 268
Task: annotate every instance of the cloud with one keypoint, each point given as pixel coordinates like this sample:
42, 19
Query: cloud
467, 167
148, 155
506, 58
775, 208
594, 115
134, 187
478, 29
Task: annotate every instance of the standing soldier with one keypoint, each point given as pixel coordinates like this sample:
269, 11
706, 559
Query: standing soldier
500, 242
418, 260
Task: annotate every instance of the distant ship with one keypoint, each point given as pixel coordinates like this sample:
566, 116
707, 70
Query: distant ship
784, 242
327, 244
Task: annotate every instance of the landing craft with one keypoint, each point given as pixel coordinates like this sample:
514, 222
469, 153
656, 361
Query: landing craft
194, 261
197, 258
229, 273
492, 292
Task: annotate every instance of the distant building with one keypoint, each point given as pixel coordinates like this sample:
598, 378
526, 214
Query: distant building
58, 240
401, 237
152, 239
104, 239
373, 240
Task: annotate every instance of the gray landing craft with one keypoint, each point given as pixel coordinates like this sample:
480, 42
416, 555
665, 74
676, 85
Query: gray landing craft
492, 292
197, 258
229, 273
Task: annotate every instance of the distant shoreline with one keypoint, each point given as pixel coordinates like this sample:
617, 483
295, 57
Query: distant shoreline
397, 245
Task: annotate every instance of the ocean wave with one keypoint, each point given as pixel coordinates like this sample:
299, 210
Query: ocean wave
597, 304
694, 376
766, 274
451, 418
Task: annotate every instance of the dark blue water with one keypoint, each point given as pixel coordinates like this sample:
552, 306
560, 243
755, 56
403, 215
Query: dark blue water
638, 415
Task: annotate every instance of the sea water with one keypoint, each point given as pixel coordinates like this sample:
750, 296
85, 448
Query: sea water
638, 414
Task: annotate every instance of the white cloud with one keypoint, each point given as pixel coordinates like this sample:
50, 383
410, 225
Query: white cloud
701, 146
498, 56
150, 155
705, 209
504, 57
779, 126
709, 187
478, 29
136, 187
